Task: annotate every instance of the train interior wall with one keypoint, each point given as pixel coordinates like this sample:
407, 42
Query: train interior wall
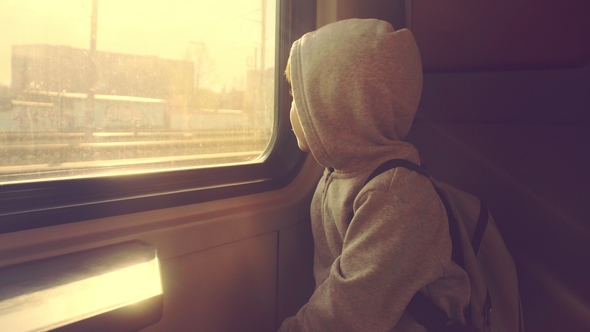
519, 140
238, 264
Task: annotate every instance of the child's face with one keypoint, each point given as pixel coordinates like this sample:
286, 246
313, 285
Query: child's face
296, 124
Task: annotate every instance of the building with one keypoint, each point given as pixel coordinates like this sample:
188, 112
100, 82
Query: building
58, 68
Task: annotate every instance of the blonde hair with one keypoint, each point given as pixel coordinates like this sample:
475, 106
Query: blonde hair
288, 70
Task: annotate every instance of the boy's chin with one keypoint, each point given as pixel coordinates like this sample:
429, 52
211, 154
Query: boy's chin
302, 147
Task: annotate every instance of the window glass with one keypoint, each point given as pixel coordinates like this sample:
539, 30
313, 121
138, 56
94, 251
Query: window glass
98, 87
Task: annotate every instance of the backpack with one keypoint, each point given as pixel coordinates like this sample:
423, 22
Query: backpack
478, 248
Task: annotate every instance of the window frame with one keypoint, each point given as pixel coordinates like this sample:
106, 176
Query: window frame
39, 204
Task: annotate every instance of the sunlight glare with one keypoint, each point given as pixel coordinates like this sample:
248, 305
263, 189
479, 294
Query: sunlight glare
58, 306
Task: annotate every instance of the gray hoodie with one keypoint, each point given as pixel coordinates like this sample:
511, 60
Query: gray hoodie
356, 85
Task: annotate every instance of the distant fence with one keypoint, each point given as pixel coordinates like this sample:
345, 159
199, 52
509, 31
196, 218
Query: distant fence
67, 112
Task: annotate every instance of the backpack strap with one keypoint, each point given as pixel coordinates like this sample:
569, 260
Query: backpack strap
423, 311
480, 227
394, 163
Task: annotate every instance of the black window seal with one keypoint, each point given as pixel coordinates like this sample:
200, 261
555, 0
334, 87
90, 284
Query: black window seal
25, 206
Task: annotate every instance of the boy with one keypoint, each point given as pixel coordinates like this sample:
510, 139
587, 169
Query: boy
356, 85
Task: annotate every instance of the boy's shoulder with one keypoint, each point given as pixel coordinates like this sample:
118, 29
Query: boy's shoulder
405, 184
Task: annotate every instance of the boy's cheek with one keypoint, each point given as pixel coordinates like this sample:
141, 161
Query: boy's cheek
297, 129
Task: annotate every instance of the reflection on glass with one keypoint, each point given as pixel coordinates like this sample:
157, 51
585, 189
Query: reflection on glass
93, 87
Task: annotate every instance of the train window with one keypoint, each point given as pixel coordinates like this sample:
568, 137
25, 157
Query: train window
115, 107
110, 107
103, 87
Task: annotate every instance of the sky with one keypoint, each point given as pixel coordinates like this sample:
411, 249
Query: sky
231, 29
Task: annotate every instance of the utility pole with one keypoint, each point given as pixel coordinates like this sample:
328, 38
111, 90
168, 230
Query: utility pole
89, 116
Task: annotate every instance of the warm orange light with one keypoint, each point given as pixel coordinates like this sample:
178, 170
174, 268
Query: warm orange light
61, 305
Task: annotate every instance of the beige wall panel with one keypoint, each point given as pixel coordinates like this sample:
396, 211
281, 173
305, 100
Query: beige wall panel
296, 282
226, 288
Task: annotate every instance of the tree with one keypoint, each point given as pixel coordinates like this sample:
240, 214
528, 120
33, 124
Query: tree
204, 64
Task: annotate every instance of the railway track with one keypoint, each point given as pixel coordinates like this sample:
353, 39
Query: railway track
53, 155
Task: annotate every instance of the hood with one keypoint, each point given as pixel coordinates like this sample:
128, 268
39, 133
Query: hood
356, 85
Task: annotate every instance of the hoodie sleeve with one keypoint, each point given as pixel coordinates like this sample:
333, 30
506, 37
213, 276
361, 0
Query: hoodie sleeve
387, 256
